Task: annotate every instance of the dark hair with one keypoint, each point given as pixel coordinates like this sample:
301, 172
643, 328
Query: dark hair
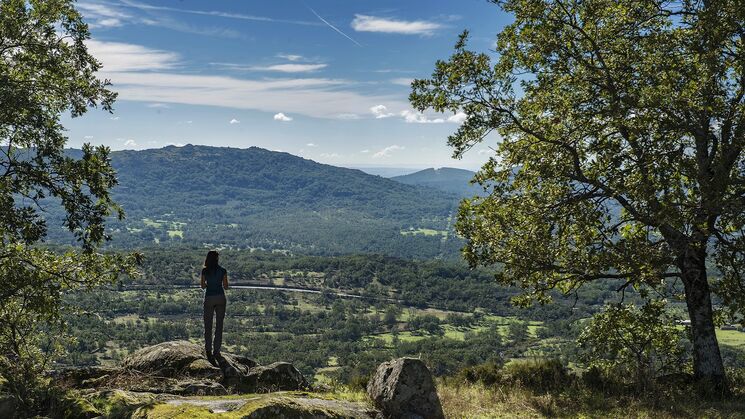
210, 262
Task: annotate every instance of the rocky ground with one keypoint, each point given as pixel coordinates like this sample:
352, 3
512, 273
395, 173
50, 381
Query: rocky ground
176, 380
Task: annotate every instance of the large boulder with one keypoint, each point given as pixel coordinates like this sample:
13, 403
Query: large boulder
180, 358
404, 389
279, 376
175, 366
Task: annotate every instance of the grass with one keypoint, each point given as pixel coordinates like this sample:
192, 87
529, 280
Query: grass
733, 338
479, 401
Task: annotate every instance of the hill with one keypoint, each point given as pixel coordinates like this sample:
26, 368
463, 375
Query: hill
447, 179
256, 198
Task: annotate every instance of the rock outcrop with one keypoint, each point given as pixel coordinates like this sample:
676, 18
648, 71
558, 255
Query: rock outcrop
185, 362
171, 379
404, 389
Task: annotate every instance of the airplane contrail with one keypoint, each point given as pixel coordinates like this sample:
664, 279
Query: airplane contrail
333, 27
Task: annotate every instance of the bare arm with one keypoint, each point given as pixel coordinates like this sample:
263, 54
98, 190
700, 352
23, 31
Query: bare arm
203, 282
225, 281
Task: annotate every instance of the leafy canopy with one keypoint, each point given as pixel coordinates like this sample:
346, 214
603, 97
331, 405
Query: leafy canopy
621, 129
45, 71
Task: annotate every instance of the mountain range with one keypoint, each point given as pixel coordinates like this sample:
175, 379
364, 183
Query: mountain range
447, 179
256, 198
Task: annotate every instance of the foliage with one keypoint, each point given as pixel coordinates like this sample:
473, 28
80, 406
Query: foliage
629, 341
622, 128
45, 70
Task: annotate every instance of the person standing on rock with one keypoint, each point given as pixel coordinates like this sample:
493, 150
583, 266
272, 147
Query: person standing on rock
214, 282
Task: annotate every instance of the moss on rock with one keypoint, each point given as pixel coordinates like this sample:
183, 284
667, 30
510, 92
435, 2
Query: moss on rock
260, 406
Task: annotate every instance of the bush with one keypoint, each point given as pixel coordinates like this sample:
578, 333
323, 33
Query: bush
488, 374
538, 374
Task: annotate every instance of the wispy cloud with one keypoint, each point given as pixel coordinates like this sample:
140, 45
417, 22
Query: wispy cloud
282, 117
386, 152
103, 16
281, 68
107, 15
291, 68
334, 27
158, 105
402, 81
215, 13
364, 23
311, 145
290, 57
118, 57
330, 155
234, 121
381, 111
147, 75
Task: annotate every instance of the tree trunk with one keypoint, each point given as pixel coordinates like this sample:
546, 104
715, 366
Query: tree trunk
707, 361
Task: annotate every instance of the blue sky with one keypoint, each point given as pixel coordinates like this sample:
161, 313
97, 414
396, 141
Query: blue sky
326, 80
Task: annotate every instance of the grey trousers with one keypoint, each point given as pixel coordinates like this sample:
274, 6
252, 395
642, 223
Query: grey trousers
213, 305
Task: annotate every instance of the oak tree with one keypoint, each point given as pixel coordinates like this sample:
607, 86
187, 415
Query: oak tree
621, 127
45, 72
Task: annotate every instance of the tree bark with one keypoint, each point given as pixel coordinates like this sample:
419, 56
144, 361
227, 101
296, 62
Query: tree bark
707, 360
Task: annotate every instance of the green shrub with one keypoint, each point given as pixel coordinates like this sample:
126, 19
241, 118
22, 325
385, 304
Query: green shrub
538, 374
488, 374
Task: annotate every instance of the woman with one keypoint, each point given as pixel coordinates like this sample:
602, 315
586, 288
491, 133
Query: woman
214, 281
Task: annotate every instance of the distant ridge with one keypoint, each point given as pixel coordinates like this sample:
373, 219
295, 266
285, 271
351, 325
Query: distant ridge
446, 179
257, 198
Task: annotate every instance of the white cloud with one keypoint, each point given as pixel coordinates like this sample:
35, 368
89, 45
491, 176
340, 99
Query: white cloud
291, 68
145, 78
458, 118
364, 23
102, 16
348, 116
365, 151
114, 118
130, 143
176, 144
215, 13
485, 151
412, 117
158, 105
311, 145
234, 121
402, 81
290, 57
118, 57
380, 111
330, 155
282, 117
88, 137
280, 68
386, 152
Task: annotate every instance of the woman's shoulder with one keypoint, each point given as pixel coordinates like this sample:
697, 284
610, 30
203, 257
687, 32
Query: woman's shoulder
222, 270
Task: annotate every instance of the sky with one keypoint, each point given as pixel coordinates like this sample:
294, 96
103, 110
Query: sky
326, 80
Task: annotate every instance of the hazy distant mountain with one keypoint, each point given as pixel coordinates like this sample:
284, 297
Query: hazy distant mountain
388, 172
446, 179
260, 198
